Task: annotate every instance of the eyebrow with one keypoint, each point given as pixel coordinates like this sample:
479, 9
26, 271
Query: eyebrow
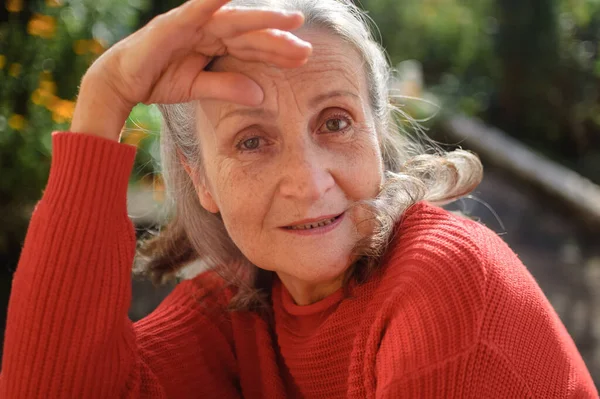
314, 102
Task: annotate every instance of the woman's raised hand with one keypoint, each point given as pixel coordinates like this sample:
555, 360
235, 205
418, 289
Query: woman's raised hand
164, 61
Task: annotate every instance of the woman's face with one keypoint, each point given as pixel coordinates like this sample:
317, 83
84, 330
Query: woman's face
302, 157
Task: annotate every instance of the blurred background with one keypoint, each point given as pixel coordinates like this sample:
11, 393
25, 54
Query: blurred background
517, 81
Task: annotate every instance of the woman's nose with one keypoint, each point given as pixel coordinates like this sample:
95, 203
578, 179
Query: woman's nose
305, 174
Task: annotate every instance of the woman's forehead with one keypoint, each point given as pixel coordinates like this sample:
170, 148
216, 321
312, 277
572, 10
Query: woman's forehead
334, 66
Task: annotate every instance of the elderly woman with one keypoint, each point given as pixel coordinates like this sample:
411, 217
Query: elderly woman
333, 272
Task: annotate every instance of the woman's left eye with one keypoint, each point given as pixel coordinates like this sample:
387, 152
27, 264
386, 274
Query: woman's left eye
336, 124
250, 144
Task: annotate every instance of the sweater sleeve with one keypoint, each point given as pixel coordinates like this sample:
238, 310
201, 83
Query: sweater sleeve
469, 321
68, 334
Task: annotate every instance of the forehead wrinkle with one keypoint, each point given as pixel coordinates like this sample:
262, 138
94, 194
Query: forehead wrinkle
324, 80
333, 71
328, 64
324, 67
298, 90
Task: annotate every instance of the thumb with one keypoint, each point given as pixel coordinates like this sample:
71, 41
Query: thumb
227, 86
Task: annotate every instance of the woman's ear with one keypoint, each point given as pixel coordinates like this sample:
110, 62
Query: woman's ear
206, 199
204, 195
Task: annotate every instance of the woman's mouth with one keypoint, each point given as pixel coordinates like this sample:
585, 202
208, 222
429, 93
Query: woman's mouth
316, 227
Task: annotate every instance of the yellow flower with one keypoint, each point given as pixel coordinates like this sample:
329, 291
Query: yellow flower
94, 46
17, 122
62, 111
14, 5
42, 25
14, 70
53, 3
2, 61
36, 97
44, 98
48, 86
97, 46
49, 100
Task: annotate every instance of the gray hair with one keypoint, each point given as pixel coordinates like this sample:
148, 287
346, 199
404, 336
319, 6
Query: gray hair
416, 169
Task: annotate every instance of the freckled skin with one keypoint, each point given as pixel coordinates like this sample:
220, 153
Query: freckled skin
294, 165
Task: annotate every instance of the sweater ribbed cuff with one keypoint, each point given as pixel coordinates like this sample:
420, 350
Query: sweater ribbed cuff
88, 169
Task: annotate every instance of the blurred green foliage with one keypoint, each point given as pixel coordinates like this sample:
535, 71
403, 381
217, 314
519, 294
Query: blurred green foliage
45, 48
531, 67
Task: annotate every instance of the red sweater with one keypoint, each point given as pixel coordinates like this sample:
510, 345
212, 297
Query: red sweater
452, 314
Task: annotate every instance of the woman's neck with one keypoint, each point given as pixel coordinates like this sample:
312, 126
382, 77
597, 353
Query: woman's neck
305, 293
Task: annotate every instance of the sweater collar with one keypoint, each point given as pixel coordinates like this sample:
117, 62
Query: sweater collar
291, 308
301, 321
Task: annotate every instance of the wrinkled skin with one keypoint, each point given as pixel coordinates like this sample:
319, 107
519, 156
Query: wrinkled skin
293, 158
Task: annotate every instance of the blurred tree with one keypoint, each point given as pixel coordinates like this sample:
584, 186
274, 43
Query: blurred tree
546, 95
531, 67
527, 48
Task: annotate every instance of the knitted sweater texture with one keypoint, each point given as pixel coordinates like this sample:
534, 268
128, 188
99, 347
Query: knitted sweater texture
452, 313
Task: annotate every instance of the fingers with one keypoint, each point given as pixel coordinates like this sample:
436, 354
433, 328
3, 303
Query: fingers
231, 22
270, 58
197, 12
193, 24
227, 86
277, 42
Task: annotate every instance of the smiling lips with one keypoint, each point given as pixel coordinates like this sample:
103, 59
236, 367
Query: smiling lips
308, 224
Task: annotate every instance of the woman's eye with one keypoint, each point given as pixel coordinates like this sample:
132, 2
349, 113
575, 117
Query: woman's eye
249, 144
336, 124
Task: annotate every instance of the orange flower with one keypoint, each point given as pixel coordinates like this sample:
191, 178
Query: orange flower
17, 122
62, 111
42, 25
14, 5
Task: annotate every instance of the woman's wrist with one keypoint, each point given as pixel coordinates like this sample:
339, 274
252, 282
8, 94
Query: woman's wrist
99, 111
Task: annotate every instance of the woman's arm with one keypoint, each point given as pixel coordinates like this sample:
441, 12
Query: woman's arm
68, 334
66, 327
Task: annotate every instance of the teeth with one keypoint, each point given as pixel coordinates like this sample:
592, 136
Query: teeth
312, 225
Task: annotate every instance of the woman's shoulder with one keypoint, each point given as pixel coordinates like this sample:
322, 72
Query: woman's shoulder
441, 268
446, 270
433, 277
451, 289
437, 243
